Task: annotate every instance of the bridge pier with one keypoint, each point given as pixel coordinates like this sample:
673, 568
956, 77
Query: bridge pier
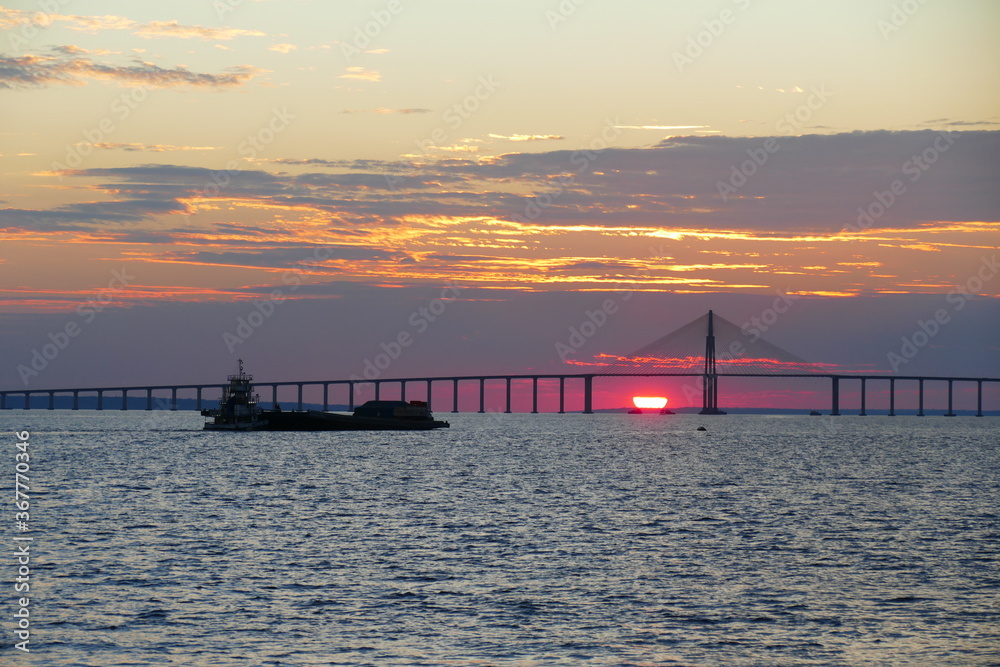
429, 387
710, 395
173, 399
482, 395
863, 413
979, 399
835, 397
710, 380
326, 392
52, 400
378, 388
534, 395
588, 395
124, 399
507, 411
274, 395
562, 395
920, 404
100, 399
402, 390
350, 397
454, 395
950, 413
892, 397
198, 398
300, 396
149, 399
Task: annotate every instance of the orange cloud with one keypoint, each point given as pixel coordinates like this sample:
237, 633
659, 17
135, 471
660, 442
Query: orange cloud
149, 148
11, 18
528, 137
361, 74
175, 29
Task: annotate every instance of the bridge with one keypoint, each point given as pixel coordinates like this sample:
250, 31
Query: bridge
682, 353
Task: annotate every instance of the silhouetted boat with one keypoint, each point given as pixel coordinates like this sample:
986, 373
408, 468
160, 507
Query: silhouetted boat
635, 411
239, 410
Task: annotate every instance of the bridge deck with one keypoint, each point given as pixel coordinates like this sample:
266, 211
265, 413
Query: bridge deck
586, 378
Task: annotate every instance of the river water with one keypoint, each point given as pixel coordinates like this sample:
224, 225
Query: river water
509, 540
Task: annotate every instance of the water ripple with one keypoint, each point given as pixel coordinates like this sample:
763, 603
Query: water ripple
547, 540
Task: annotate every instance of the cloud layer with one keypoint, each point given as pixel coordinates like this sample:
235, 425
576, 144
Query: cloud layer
807, 184
35, 71
632, 218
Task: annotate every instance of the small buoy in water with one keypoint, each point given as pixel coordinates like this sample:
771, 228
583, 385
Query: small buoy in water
702, 428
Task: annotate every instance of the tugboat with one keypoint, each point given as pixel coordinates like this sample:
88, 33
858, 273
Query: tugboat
239, 410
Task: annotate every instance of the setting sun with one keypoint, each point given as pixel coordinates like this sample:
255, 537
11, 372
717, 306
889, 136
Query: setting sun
654, 402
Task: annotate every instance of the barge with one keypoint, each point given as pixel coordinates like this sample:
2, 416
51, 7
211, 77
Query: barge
240, 410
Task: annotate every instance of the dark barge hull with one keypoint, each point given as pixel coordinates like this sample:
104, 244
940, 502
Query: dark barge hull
312, 420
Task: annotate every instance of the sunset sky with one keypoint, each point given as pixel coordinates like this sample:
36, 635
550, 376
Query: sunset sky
169, 169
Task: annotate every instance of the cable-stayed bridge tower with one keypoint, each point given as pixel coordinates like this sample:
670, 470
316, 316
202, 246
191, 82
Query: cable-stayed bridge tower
709, 347
710, 388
